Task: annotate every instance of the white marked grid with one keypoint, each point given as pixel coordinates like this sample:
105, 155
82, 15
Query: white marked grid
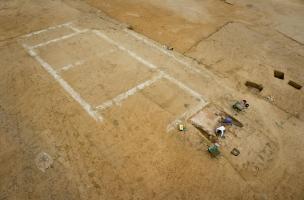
161, 49
91, 110
56, 74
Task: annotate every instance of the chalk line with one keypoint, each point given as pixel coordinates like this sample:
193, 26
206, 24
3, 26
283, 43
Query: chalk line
57, 39
168, 53
121, 97
73, 27
131, 53
181, 85
184, 87
83, 61
46, 29
148, 64
86, 106
173, 125
118, 99
69, 66
150, 42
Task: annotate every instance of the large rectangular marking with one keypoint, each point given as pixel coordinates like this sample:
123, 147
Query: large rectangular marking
103, 78
87, 107
93, 112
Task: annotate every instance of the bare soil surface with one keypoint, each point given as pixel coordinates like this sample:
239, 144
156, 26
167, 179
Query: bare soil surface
90, 99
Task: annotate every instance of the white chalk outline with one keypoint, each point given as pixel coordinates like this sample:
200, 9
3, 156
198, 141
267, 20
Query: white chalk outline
131, 53
187, 64
81, 62
69, 66
86, 106
184, 87
161, 49
181, 85
46, 29
149, 64
157, 46
173, 125
123, 96
57, 39
73, 27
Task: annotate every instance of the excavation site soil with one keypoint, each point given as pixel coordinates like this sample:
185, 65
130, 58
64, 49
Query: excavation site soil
150, 99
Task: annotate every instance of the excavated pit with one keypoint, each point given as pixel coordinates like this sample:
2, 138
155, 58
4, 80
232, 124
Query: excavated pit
278, 74
295, 85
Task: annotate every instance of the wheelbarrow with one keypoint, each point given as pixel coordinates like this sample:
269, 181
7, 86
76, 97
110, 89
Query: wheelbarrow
240, 105
214, 150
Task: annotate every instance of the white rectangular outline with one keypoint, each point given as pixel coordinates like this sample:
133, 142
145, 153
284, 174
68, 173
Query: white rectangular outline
149, 65
86, 106
31, 50
121, 97
181, 85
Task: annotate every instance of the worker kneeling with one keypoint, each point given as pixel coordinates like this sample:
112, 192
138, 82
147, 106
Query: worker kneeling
220, 131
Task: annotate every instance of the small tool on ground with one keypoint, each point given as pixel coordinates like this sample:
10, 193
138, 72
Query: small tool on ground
182, 127
235, 152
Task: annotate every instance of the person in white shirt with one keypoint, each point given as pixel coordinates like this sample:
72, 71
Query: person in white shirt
220, 130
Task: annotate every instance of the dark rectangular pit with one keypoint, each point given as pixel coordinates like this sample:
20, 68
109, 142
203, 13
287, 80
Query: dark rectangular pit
295, 85
250, 84
278, 74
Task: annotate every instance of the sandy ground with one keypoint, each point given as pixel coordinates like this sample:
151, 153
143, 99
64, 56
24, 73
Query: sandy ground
88, 107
